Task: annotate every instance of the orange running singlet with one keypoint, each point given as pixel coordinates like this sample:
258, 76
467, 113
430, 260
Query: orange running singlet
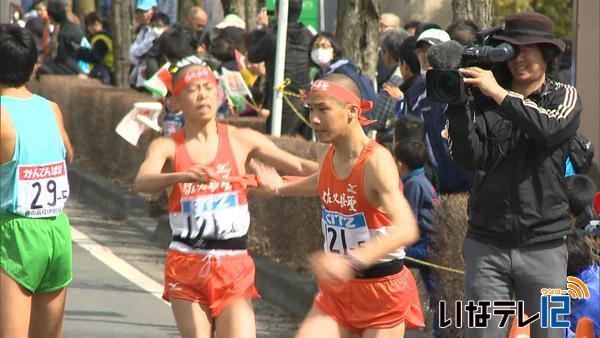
216, 210
348, 219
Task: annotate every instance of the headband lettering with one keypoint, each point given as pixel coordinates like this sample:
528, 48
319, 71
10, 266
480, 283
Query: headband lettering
193, 75
345, 96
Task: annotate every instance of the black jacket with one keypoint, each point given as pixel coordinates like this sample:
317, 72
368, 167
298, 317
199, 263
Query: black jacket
297, 63
66, 54
519, 150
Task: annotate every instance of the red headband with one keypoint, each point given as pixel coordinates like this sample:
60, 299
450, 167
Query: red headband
345, 96
202, 72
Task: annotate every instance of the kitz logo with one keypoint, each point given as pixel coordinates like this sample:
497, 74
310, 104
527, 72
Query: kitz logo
554, 305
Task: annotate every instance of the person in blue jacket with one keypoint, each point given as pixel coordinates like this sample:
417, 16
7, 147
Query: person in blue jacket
410, 156
580, 266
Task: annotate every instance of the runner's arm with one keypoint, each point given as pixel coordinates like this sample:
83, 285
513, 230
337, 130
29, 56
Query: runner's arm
307, 186
264, 150
149, 178
270, 181
383, 192
63, 132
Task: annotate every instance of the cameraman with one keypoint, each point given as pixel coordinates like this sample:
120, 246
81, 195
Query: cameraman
516, 135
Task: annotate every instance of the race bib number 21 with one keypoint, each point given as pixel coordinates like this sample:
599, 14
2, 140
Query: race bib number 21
343, 233
42, 189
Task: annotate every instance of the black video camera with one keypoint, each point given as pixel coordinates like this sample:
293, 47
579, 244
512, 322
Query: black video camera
444, 82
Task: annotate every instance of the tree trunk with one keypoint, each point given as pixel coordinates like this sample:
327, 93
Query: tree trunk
245, 9
360, 44
480, 11
121, 31
250, 6
81, 8
184, 5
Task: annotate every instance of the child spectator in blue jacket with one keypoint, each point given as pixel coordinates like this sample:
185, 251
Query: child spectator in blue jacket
411, 156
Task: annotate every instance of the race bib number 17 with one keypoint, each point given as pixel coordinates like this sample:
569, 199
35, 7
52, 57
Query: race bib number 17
43, 190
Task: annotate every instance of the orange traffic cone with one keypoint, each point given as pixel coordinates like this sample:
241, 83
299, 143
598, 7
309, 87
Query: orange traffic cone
519, 332
585, 328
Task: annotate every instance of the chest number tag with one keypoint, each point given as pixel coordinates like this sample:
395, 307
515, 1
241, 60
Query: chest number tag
343, 232
214, 216
43, 190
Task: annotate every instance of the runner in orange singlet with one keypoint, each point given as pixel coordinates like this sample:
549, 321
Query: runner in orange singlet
364, 289
209, 276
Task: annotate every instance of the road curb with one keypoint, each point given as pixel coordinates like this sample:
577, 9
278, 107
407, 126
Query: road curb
280, 285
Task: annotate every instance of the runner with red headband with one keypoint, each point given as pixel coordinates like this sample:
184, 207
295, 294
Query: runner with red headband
209, 276
364, 289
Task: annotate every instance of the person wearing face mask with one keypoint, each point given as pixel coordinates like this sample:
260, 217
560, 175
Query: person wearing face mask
154, 59
159, 23
144, 39
327, 54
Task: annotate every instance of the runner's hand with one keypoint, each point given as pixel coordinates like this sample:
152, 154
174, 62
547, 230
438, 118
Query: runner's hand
199, 174
330, 268
268, 178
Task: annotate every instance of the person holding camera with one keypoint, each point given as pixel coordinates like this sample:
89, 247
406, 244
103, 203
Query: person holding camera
516, 136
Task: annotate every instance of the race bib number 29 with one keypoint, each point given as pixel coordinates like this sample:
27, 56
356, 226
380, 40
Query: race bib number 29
43, 190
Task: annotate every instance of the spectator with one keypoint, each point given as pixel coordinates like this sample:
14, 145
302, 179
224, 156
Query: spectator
160, 23
387, 22
175, 44
515, 136
581, 266
153, 59
327, 55
258, 88
580, 194
562, 73
224, 44
297, 65
41, 27
69, 35
410, 68
384, 109
423, 26
446, 175
427, 39
463, 31
100, 56
143, 42
36, 26
422, 197
231, 20
408, 127
196, 20
411, 27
